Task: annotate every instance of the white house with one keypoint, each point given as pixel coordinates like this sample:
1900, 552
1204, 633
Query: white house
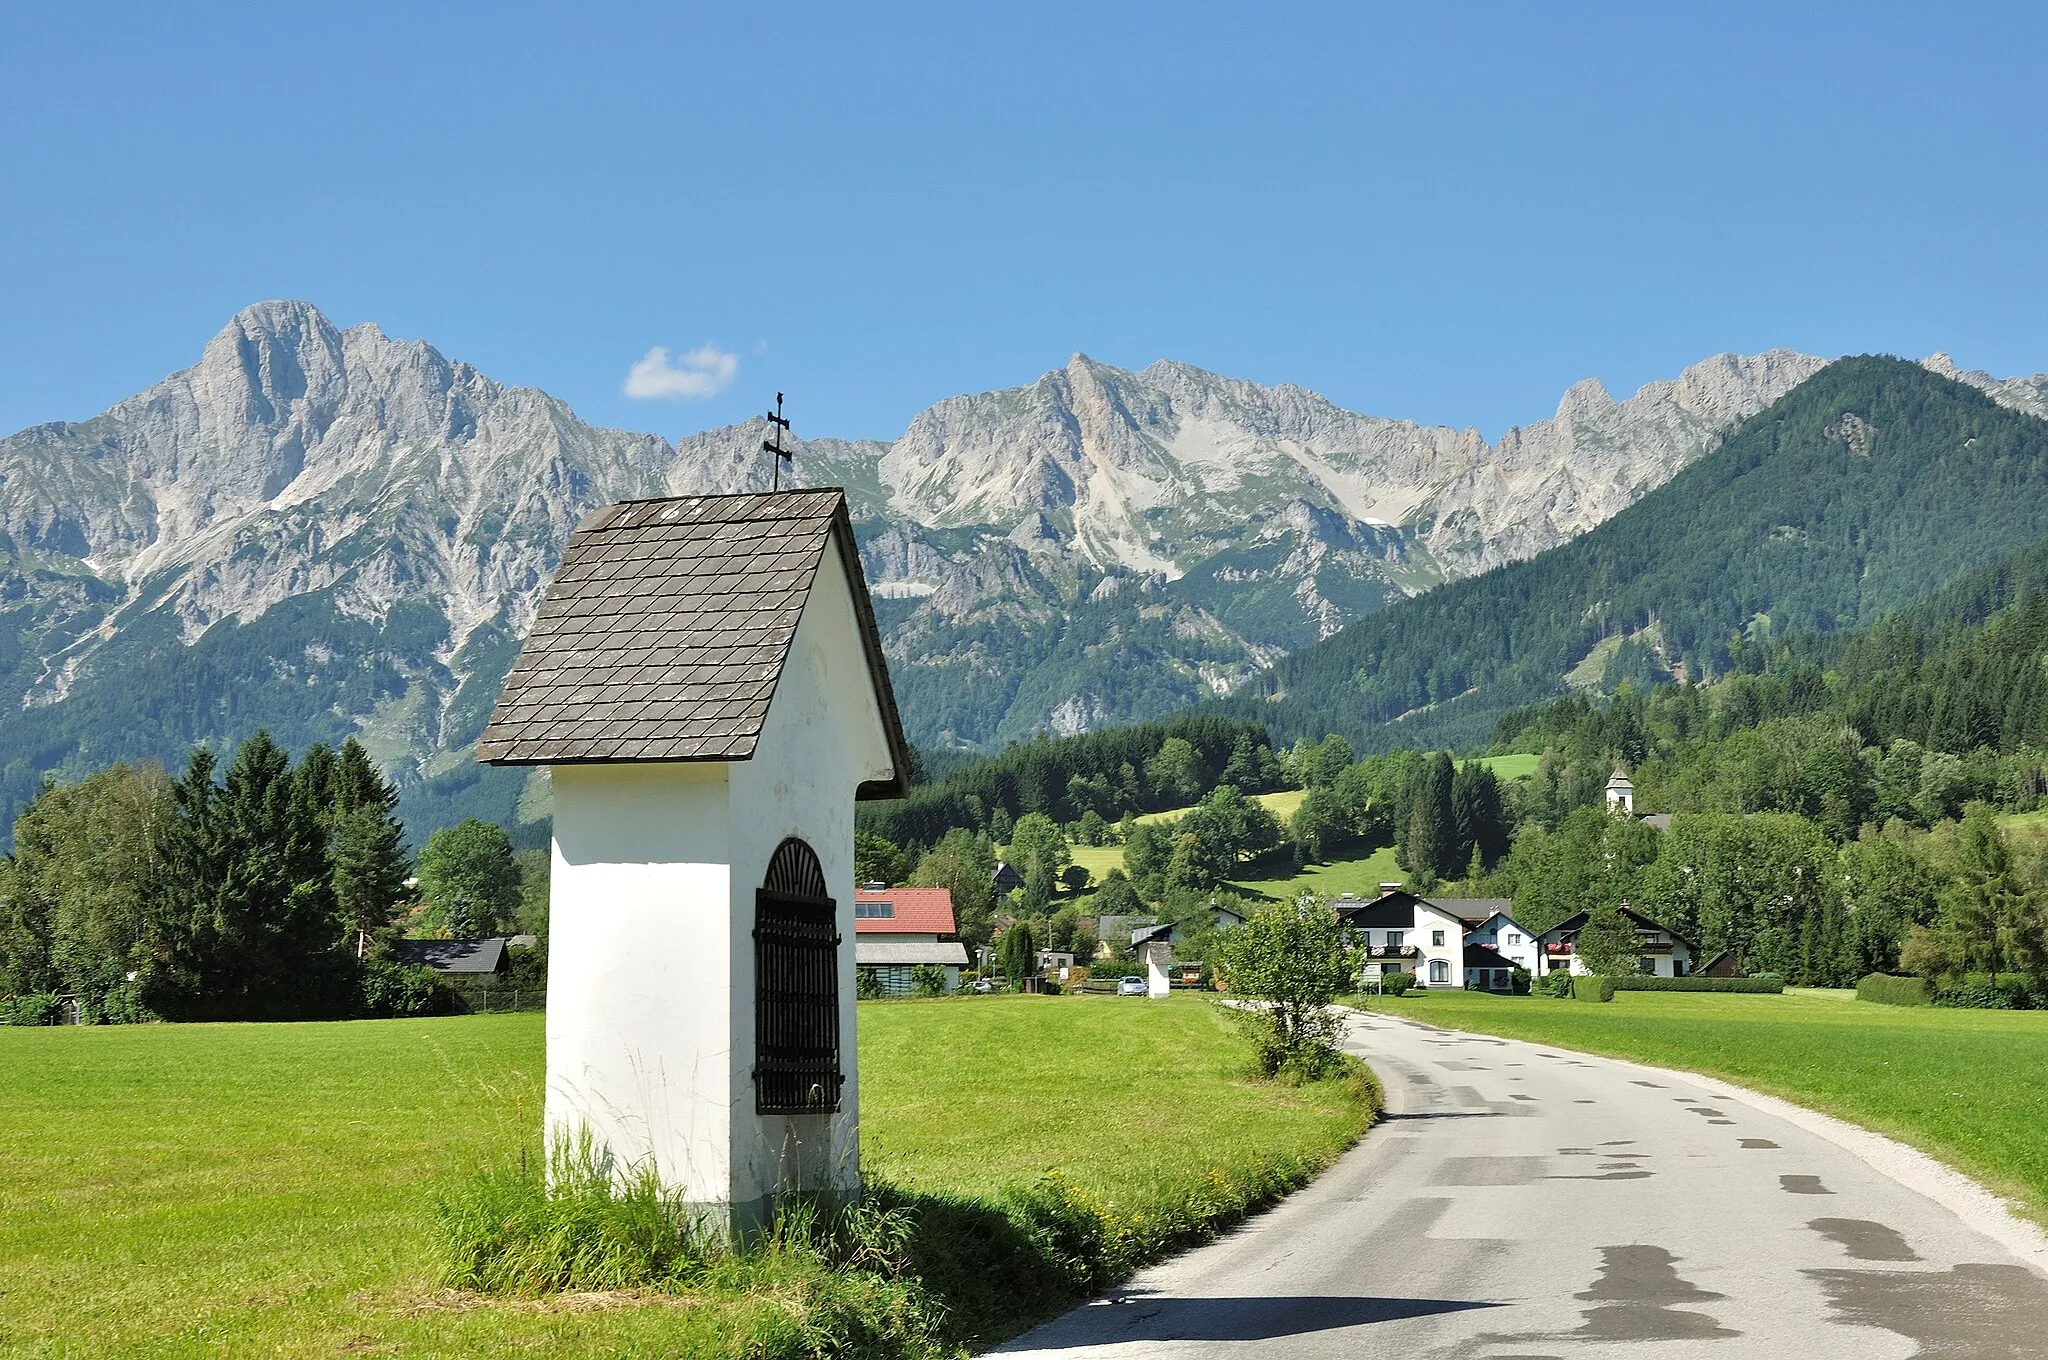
1403, 933
1495, 942
705, 682
1621, 793
897, 930
1661, 951
1489, 924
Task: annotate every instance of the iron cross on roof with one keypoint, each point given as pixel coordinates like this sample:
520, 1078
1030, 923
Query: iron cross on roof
782, 455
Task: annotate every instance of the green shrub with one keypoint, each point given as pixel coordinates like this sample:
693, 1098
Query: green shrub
1767, 984
927, 980
1396, 984
392, 991
1886, 990
1557, 983
37, 1008
1976, 993
866, 986
1591, 988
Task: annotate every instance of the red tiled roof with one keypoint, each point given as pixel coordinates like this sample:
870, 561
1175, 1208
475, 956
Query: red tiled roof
917, 911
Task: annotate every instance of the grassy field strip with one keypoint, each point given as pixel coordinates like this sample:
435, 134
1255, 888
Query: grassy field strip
1969, 1088
1511, 767
1281, 804
210, 1190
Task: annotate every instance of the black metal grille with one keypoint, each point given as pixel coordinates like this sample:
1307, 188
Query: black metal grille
796, 987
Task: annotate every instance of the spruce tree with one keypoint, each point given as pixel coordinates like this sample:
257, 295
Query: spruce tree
367, 845
190, 931
1465, 813
276, 906
315, 777
1432, 847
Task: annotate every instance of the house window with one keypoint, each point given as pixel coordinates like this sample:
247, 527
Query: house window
1394, 938
1514, 938
1439, 970
875, 911
1647, 966
796, 987
1436, 939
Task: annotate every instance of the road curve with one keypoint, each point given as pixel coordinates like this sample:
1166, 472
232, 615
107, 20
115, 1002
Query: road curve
1522, 1201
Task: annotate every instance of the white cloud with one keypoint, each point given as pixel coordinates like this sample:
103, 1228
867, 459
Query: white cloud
692, 376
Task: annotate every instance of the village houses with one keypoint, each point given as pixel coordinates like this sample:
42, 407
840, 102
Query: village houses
898, 930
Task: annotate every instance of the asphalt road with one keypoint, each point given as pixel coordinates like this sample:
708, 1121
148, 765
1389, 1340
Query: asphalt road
1523, 1202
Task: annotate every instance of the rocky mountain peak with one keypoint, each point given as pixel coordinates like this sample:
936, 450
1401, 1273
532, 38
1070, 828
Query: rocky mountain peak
1583, 400
1097, 545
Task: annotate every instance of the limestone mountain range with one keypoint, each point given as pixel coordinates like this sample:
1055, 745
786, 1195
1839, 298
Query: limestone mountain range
325, 530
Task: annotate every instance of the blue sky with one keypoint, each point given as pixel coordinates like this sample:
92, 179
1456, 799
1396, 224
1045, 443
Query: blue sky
1446, 213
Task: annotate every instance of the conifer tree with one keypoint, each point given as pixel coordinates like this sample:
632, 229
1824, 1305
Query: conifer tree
367, 846
277, 904
1432, 845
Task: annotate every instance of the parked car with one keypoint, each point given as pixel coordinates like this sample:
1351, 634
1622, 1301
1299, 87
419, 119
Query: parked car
984, 985
1130, 986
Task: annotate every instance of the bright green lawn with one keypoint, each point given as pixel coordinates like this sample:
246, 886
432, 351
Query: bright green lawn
1968, 1087
230, 1190
1361, 877
1511, 767
1098, 860
1281, 805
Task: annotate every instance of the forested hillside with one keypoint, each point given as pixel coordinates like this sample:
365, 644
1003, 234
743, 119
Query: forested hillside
1864, 490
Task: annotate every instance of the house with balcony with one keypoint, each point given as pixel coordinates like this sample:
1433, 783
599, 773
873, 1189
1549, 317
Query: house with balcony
1490, 925
1661, 951
1398, 932
896, 930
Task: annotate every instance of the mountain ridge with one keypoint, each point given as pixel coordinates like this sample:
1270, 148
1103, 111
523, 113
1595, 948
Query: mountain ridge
341, 531
1862, 491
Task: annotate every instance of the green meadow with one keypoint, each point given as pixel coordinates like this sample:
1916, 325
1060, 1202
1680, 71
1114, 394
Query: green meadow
229, 1190
1969, 1088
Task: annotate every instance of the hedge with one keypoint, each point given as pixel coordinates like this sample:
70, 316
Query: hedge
1977, 994
1886, 990
1589, 988
1699, 984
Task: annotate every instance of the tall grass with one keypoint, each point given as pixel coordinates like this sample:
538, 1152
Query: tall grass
837, 1272
891, 1271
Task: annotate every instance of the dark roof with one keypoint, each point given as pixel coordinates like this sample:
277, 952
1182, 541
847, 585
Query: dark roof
664, 632
1480, 956
1577, 920
1152, 934
1390, 911
1473, 910
452, 956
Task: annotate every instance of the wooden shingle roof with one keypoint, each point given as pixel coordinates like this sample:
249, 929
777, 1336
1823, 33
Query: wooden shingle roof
664, 632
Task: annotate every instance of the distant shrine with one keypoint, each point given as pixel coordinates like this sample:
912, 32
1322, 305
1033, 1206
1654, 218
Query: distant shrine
705, 684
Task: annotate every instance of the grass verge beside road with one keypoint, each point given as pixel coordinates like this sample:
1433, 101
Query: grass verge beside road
211, 1190
1969, 1088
